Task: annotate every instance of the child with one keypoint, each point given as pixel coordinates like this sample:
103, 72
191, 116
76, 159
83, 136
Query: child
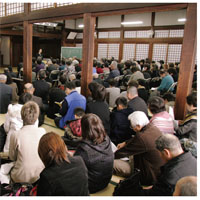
73, 133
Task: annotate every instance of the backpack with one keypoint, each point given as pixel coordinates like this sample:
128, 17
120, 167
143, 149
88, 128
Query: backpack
129, 186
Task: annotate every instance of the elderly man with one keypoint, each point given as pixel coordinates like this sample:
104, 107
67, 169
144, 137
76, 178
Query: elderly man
142, 147
186, 186
178, 164
5, 94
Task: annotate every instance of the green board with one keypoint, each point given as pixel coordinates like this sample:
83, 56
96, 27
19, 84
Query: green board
70, 52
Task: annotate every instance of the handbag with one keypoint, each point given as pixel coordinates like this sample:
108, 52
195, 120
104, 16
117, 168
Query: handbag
129, 186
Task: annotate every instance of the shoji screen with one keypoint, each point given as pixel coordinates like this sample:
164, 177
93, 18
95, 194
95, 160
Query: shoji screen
102, 51
113, 51
128, 51
142, 51
159, 52
174, 53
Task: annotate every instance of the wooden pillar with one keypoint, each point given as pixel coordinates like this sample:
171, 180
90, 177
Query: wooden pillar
187, 61
27, 51
88, 52
150, 55
121, 44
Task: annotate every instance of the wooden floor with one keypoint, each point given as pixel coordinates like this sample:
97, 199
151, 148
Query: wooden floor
49, 125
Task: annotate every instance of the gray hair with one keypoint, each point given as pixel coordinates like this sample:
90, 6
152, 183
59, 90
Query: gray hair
95, 75
138, 118
3, 77
168, 141
114, 64
132, 91
188, 186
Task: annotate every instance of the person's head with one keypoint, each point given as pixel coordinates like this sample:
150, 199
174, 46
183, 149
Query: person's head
112, 82
135, 69
169, 146
40, 51
138, 120
3, 78
39, 60
133, 83
128, 64
92, 128
42, 74
142, 82
24, 97
9, 79
52, 149
162, 73
121, 103
69, 87
95, 76
172, 71
171, 65
113, 65
146, 67
194, 86
68, 62
92, 86
54, 61
99, 93
186, 186
168, 96
30, 113
28, 87
79, 113
132, 92
156, 104
191, 101
72, 77
63, 62
63, 78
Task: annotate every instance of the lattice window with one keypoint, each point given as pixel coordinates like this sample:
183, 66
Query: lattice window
14, 8
79, 36
2, 9
102, 51
103, 34
129, 34
142, 34
161, 33
113, 51
79, 45
174, 53
159, 52
128, 51
114, 34
176, 33
64, 4
38, 6
142, 51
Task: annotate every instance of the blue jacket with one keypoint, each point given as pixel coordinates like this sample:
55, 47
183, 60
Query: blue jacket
166, 82
74, 100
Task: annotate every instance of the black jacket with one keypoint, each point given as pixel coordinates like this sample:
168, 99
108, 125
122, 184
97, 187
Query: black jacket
101, 109
99, 161
67, 179
120, 125
138, 104
180, 166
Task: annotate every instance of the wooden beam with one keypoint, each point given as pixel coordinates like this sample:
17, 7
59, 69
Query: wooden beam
121, 45
35, 34
88, 53
27, 52
187, 64
98, 9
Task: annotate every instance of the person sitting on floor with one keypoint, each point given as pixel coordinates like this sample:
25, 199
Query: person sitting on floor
95, 149
71, 101
23, 147
73, 132
63, 174
188, 127
186, 186
161, 118
120, 125
142, 147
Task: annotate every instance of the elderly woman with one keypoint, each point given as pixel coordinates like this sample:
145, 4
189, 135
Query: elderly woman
161, 118
24, 144
142, 147
63, 175
95, 149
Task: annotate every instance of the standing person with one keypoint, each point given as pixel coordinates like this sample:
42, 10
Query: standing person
95, 149
71, 101
24, 145
5, 94
39, 54
63, 174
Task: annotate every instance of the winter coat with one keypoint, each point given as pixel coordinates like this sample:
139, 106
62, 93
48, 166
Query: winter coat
99, 162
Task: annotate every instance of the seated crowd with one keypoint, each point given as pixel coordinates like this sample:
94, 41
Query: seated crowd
127, 122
